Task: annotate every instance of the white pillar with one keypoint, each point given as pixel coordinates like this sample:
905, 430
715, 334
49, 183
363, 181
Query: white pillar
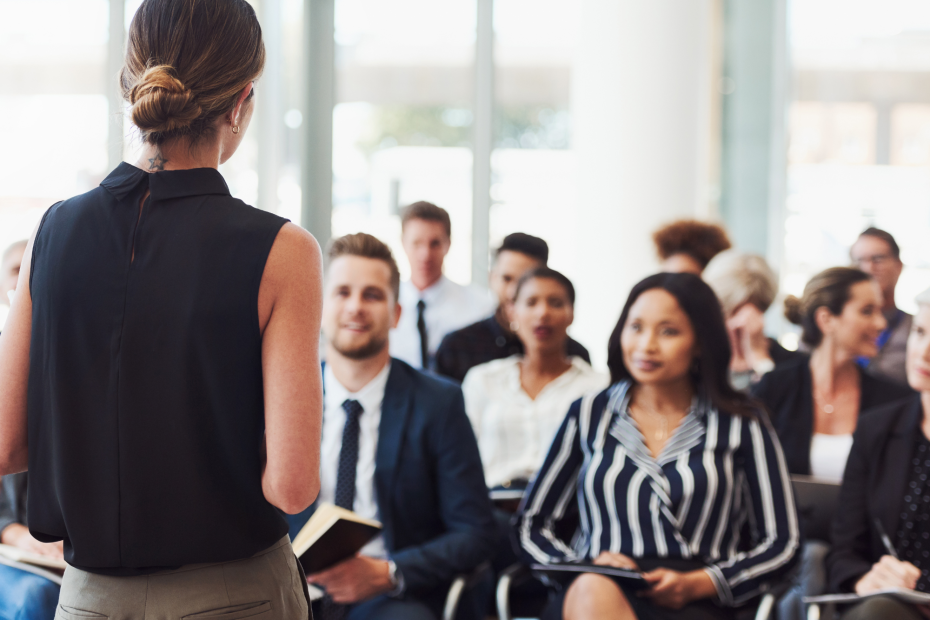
641, 114
270, 109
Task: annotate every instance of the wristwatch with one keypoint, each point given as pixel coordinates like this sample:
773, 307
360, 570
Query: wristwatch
397, 579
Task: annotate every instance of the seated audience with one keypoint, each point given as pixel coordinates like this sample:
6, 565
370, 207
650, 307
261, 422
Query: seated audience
746, 286
876, 253
674, 472
433, 304
23, 595
491, 338
814, 402
884, 492
686, 246
396, 447
517, 404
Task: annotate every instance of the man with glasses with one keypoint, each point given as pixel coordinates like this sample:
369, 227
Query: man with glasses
876, 253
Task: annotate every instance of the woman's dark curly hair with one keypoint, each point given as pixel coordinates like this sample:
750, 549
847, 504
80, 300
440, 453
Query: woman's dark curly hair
699, 240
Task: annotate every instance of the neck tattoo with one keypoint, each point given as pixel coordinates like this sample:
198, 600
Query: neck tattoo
157, 163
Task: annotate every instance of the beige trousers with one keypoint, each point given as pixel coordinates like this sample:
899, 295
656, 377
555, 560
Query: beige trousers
266, 586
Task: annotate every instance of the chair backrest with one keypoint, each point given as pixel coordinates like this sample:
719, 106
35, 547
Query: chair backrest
816, 501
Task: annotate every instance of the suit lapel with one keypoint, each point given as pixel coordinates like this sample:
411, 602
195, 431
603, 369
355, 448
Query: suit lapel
395, 410
898, 451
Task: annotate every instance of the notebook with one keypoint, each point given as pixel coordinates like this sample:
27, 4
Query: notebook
565, 572
332, 535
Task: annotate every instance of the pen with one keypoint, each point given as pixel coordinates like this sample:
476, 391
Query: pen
885, 540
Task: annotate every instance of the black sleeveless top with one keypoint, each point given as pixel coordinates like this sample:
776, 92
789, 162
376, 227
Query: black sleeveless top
146, 409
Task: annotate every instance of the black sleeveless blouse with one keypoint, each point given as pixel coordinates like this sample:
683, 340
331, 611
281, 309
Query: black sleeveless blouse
145, 402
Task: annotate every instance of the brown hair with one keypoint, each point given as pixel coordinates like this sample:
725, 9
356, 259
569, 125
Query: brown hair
187, 61
423, 210
366, 246
885, 236
699, 240
829, 289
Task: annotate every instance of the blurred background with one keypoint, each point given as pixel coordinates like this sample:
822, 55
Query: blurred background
796, 123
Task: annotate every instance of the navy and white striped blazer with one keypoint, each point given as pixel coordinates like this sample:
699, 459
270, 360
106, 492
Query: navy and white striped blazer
719, 493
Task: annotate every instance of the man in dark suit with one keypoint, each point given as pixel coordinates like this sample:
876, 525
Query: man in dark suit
491, 338
396, 447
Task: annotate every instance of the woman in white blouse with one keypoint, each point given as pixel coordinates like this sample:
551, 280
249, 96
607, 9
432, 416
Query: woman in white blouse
517, 404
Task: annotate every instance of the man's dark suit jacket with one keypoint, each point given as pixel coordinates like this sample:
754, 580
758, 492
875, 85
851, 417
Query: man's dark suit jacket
429, 483
874, 484
788, 395
483, 342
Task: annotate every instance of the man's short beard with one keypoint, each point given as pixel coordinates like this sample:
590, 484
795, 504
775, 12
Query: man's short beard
364, 352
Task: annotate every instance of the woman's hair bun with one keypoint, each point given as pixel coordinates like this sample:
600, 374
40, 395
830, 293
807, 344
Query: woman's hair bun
161, 102
793, 309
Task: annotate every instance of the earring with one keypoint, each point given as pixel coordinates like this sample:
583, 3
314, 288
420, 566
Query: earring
235, 129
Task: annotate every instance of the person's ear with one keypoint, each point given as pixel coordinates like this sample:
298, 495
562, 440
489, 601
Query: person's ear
235, 117
571, 315
824, 320
398, 309
509, 312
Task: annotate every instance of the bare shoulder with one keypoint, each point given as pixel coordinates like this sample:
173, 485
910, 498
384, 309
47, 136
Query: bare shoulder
293, 271
295, 251
293, 241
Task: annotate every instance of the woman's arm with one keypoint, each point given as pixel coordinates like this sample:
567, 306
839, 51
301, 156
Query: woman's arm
550, 494
772, 502
289, 305
850, 556
14, 372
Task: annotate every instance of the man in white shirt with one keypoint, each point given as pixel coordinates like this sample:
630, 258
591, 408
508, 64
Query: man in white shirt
397, 447
433, 304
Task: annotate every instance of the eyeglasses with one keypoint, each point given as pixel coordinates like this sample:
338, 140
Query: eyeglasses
877, 260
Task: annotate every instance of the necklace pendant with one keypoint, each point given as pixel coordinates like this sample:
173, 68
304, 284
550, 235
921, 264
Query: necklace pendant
828, 408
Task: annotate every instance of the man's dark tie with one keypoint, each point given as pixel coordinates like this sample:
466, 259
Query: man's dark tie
345, 487
348, 456
424, 340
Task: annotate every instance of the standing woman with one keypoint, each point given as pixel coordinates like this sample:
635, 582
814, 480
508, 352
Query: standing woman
159, 366
675, 472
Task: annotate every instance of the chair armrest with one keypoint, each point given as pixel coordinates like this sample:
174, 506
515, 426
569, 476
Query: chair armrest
766, 604
513, 574
459, 585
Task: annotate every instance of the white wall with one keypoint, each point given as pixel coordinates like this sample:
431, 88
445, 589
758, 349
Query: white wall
640, 108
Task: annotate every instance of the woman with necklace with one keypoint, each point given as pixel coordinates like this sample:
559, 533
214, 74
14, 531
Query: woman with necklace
669, 466
815, 401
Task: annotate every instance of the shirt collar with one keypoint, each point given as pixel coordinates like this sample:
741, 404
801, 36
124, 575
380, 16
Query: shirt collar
621, 394
166, 184
370, 396
434, 292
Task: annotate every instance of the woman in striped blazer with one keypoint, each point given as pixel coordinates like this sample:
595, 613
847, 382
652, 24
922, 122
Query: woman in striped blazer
673, 472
